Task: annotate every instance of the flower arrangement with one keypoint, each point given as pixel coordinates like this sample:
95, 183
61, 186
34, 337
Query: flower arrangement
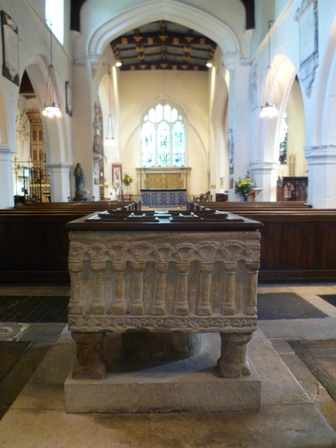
127, 179
244, 185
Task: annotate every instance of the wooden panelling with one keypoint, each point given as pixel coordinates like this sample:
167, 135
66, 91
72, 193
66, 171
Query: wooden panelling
296, 243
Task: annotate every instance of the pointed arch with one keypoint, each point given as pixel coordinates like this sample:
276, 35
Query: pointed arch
279, 79
54, 130
170, 10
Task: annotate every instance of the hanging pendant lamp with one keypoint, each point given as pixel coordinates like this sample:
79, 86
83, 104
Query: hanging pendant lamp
51, 103
269, 110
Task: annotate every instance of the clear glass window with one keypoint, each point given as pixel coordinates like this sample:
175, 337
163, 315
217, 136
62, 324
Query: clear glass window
54, 15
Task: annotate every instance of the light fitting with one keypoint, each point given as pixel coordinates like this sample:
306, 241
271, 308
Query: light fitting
269, 110
51, 103
118, 64
209, 64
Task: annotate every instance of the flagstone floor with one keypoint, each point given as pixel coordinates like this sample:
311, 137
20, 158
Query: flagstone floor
297, 409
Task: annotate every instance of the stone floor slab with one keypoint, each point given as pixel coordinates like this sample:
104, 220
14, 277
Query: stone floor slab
293, 426
299, 328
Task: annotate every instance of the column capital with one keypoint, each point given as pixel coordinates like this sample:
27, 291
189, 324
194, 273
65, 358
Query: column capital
264, 167
320, 154
96, 61
59, 166
229, 60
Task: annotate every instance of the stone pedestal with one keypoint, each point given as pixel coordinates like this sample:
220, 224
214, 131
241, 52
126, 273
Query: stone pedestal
190, 385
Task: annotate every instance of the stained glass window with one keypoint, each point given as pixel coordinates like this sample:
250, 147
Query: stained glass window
163, 137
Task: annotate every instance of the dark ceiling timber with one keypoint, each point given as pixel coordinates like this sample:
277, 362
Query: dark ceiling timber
163, 46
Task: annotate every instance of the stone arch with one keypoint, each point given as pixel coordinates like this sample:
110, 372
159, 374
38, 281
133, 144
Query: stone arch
264, 163
187, 15
54, 129
281, 75
56, 136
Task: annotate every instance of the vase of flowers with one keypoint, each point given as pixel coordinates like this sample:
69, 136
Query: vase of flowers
244, 186
127, 180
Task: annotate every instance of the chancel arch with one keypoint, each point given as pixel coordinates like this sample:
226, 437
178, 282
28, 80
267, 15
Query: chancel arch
187, 15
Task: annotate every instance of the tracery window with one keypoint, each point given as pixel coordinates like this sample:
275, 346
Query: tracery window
163, 137
54, 15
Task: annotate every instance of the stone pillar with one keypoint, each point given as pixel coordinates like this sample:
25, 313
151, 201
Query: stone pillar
239, 110
75, 305
264, 175
90, 364
119, 306
159, 307
6, 178
98, 304
233, 362
230, 268
182, 305
82, 120
137, 306
60, 187
204, 307
322, 179
252, 268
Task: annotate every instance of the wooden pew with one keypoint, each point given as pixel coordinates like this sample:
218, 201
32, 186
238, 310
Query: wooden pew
297, 243
89, 206
34, 241
239, 205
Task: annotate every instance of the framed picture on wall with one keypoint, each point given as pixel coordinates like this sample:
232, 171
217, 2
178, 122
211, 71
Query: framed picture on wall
10, 48
117, 175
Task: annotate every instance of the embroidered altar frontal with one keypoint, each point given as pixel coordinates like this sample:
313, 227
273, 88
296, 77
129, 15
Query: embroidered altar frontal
164, 198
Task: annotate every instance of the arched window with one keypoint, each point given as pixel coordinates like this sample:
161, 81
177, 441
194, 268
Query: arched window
54, 15
163, 137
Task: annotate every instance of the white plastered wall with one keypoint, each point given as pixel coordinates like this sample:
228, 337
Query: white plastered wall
188, 92
34, 56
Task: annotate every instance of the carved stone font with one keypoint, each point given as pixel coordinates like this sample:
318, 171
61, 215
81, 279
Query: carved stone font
188, 282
